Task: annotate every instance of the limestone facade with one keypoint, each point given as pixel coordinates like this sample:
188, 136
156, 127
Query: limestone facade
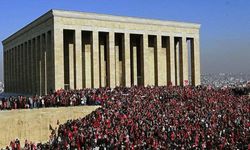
75, 50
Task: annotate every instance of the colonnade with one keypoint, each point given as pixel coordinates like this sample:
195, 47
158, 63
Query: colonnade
76, 59
75, 50
28, 66
93, 59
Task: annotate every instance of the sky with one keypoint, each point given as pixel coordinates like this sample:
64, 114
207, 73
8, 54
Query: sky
224, 34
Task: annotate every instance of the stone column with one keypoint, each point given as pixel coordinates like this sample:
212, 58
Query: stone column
11, 70
145, 66
78, 55
126, 60
71, 66
37, 57
49, 62
111, 59
161, 62
14, 71
184, 62
22, 68
87, 63
29, 74
172, 60
45, 65
120, 74
17, 68
42, 64
150, 61
95, 60
135, 65
58, 57
38, 66
6, 71
32, 91
197, 74
117, 66
102, 66
177, 63
10, 65
13, 66
27, 80
4, 66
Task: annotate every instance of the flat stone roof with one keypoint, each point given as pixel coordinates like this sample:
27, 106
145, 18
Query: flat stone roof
126, 19
102, 17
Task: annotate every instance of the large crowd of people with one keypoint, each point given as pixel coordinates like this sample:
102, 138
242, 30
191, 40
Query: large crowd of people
154, 118
59, 98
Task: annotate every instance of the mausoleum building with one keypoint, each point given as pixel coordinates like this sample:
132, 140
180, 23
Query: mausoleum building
75, 50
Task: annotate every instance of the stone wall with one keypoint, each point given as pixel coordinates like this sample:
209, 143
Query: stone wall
34, 124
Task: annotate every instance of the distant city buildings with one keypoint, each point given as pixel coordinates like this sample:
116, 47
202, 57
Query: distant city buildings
225, 79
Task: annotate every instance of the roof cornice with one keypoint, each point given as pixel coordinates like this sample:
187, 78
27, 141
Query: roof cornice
102, 17
29, 26
124, 19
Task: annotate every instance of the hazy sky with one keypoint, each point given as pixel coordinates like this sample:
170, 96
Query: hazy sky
225, 24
